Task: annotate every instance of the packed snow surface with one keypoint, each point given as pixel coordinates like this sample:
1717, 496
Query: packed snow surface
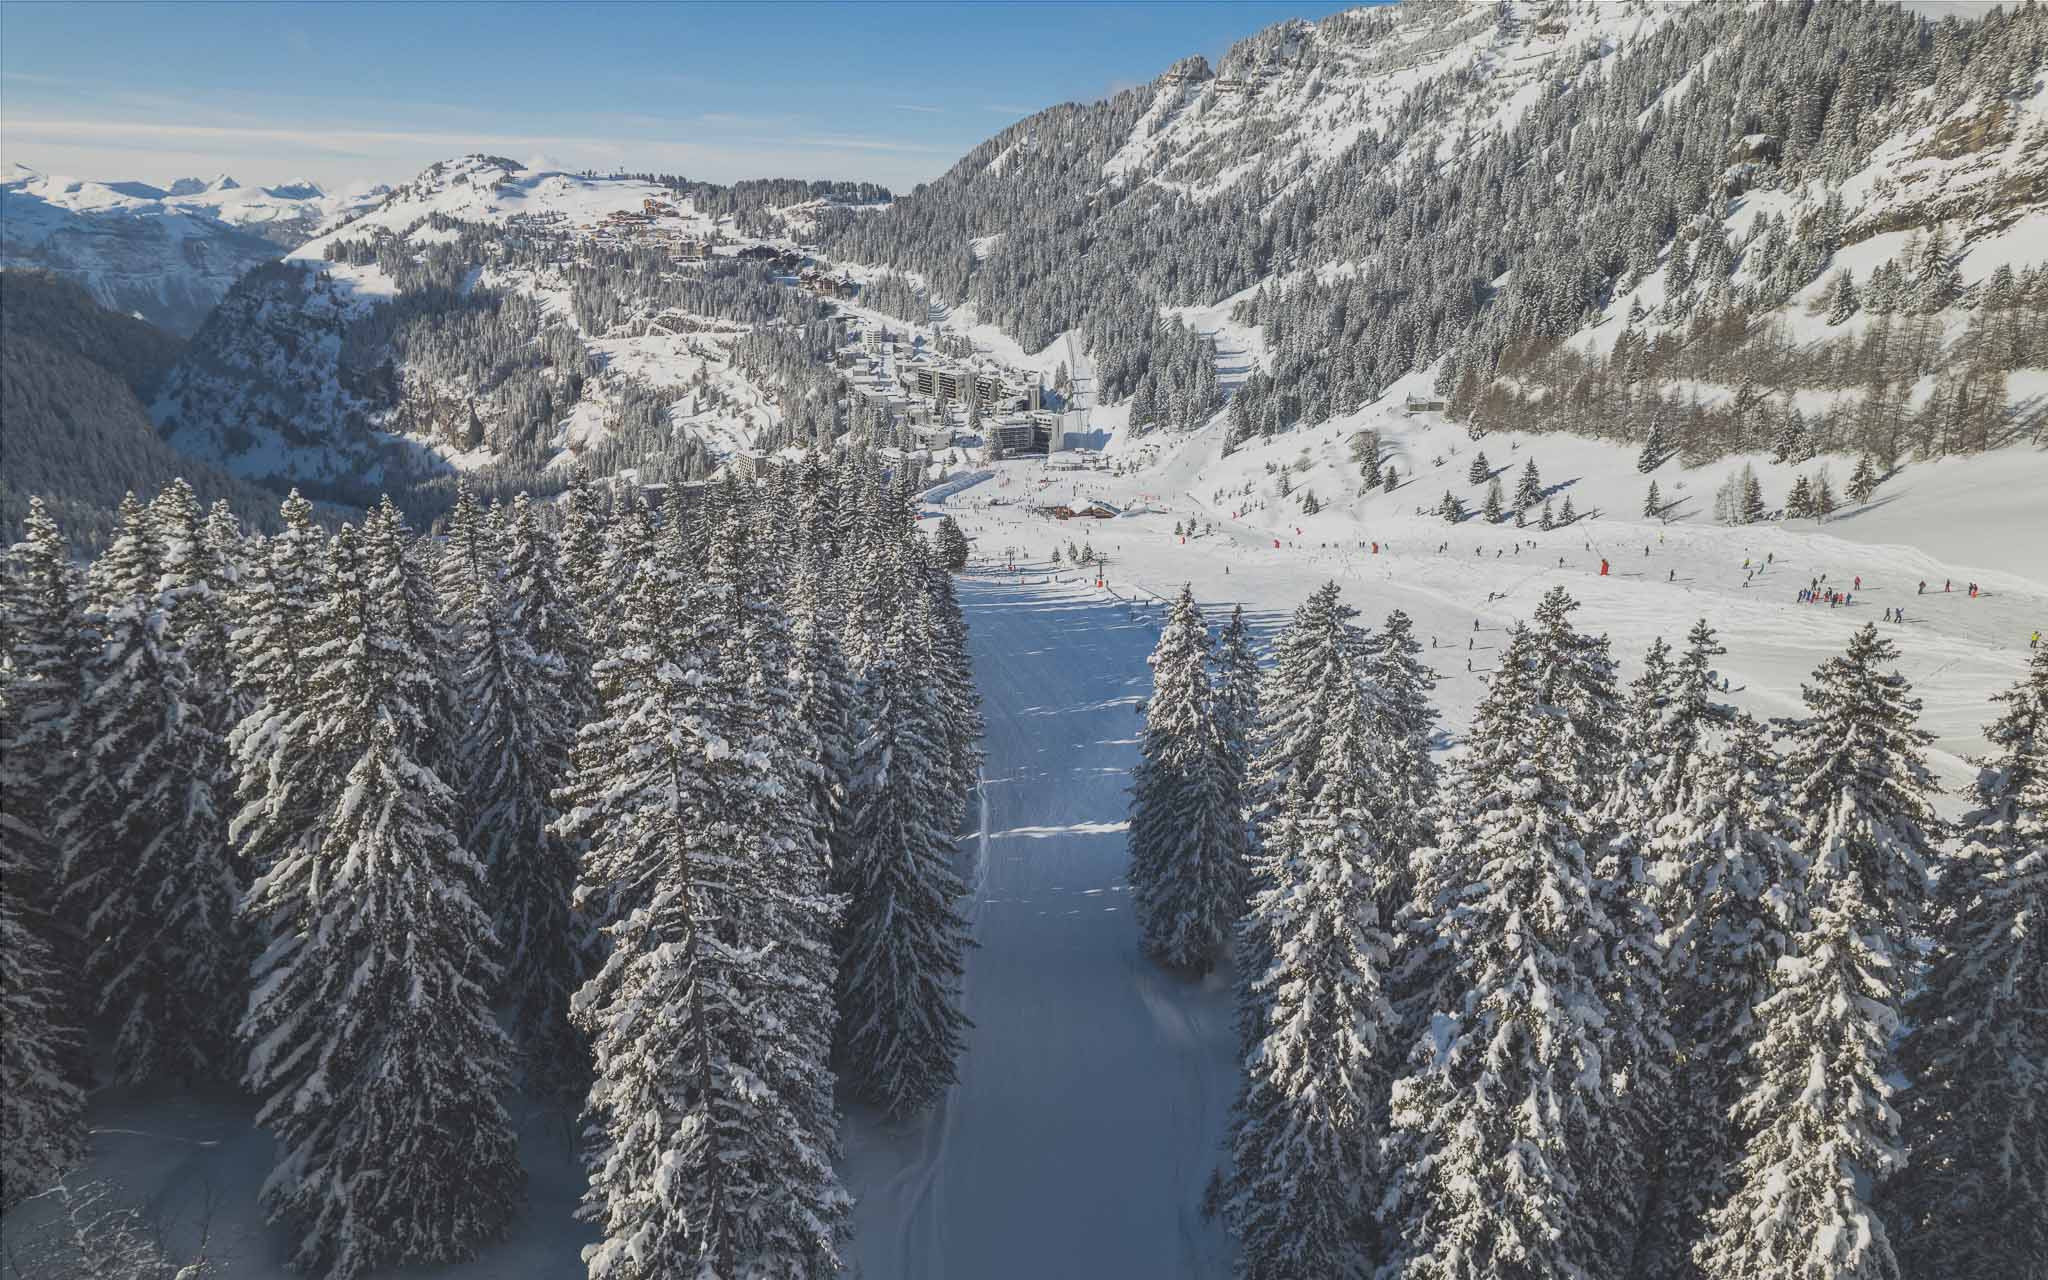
1095, 1086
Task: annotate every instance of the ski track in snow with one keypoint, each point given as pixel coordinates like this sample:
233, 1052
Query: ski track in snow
1093, 1094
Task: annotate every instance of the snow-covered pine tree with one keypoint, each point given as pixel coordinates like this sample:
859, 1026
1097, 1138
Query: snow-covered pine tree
1799, 505
42, 1112
1402, 811
1841, 297
1974, 1198
1529, 491
1499, 1120
902, 937
958, 704
197, 583
1304, 1171
1864, 481
580, 562
823, 692
708, 1158
521, 722
467, 569
46, 645
370, 1035
949, 545
419, 625
146, 877
1730, 897
1479, 470
1494, 506
791, 902
130, 565
1823, 1135
1655, 448
1186, 840
1653, 502
277, 787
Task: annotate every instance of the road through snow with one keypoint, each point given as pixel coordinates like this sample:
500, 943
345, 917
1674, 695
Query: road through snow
1094, 1090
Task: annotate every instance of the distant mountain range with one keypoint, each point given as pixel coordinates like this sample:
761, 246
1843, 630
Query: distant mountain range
166, 254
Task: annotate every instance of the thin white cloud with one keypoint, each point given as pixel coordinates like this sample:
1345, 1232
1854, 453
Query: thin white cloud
930, 111
357, 138
155, 150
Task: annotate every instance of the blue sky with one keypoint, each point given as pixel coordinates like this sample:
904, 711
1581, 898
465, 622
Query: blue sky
353, 93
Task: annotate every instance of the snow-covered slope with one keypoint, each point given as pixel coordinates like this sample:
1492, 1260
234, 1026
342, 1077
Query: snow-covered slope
1394, 186
167, 255
440, 332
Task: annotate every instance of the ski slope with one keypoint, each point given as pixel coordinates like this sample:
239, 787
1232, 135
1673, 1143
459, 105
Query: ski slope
1094, 1091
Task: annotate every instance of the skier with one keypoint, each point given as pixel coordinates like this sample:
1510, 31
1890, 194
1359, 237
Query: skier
1858, 584
1673, 577
2034, 641
1923, 586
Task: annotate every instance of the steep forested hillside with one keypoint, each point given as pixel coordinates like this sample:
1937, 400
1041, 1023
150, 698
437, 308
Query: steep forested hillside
1375, 192
504, 325
72, 429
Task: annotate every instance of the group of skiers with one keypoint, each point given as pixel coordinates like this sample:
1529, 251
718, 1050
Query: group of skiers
1832, 599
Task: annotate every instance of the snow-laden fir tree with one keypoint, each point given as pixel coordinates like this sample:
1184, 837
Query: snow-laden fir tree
278, 787
1974, 1198
1315, 661
1187, 870
793, 903
521, 718
1304, 1173
1730, 892
1529, 490
131, 564
957, 701
370, 1037
196, 585
1479, 470
949, 545
42, 1111
580, 561
1494, 507
1653, 502
146, 877
902, 938
1407, 722
823, 692
1818, 1106
707, 1159
46, 645
1501, 1114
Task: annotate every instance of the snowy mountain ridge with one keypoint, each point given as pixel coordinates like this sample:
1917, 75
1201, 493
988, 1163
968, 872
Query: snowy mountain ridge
166, 254
298, 379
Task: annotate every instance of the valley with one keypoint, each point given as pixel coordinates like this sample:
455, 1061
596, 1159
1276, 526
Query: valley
1409, 649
